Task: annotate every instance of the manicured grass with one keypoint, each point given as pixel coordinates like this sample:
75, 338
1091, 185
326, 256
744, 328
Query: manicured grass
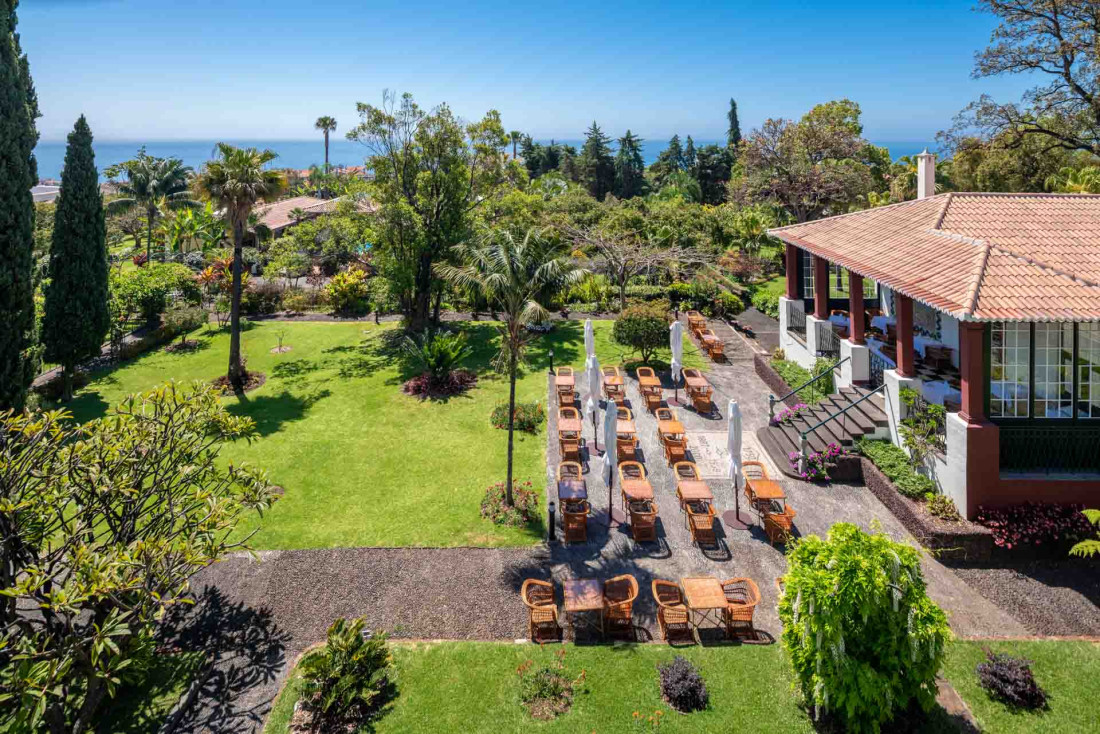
361, 463
473, 687
1068, 671
142, 708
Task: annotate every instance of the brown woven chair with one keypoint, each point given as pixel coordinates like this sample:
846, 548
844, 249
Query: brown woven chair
652, 398
700, 523
643, 520
542, 613
570, 449
742, 596
664, 414
623, 413
566, 395
673, 616
574, 521
619, 594
626, 447
570, 470
629, 470
701, 401
778, 525
753, 470
614, 393
675, 450
645, 372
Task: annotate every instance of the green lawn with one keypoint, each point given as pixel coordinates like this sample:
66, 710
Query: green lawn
473, 687
1069, 671
142, 708
361, 463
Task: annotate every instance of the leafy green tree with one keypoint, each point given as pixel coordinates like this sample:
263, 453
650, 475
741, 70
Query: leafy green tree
78, 541
431, 174
287, 260
629, 167
1075, 180
643, 329
18, 173
999, 164
151, 183
712, 171
681, 185
326, 125
864, 638
518, 275
236, 181
689, 156
76, 320
733, 130
595, 164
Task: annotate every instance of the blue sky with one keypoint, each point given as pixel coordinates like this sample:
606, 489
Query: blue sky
265, 69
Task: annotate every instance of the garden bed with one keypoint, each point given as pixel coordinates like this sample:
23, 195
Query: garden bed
771, 378
957, 540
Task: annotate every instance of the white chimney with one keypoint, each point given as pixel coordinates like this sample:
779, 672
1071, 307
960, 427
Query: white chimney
926, 175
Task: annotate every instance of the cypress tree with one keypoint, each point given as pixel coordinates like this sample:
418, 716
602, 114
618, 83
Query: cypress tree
629, 167
18, 173
733, 133
597, 167
76, 319
674, 154
689, 156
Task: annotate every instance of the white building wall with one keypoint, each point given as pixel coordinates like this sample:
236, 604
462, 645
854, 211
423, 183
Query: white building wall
795, 350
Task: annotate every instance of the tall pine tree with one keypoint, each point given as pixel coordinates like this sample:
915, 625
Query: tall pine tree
18, 173
733, 133
689, 156
629, 167
595, 164
674, 154
76, 319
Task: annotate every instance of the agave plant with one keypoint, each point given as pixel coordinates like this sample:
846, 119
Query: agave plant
437, 354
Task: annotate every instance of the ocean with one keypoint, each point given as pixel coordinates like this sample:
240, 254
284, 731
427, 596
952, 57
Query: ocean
302, 154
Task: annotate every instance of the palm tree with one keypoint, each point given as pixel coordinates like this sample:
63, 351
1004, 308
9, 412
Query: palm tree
517, 275
1075, 181
236, 180
515, 136
326, 125
151, 181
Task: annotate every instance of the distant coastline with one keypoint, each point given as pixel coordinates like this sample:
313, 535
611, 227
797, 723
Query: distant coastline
301, 154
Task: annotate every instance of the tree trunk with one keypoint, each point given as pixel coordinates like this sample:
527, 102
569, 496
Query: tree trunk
511, 424
422, 294
236, 372
149, 214
92, 698
438, 303
67, 382
622, 295
326, 151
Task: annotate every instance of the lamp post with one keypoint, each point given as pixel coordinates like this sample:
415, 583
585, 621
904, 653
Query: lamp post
550, 353
551, 508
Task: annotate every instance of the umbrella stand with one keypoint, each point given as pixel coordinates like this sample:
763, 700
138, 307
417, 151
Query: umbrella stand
610, 508
595, 432
733, 519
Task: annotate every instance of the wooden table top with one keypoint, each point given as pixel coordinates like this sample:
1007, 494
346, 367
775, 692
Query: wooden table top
625, 426
566, 425
565, 380
671, 427
703, 592
694, 489
637, 489
647, 381
572, 489
613, 380
583, 595
696, 381
708, 337
766, 489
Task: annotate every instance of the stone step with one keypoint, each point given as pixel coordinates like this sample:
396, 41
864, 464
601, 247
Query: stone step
793, 432
830, 432
874, 407
855, 419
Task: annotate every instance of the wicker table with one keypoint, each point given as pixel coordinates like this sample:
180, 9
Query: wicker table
645, 381
572, 489
692, 490
570, 425
625, 427
614, 380
670, 428
696, 382
764, 491
637, 489
582, 598
564, 381
705, 598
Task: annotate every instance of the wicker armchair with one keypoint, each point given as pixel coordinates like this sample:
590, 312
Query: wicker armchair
542, 612
619, 594
570, 449
673, 617
626, 447
645, 372
570, 470
574, 521
742, 596
652, 398
778, 525
664, 414
675, 450
700, 523
623, 413
643, 520
701, 401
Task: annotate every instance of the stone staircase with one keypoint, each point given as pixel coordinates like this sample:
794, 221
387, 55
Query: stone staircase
866, 419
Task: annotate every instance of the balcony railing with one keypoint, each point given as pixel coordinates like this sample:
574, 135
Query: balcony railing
796, 321
828, 343
1062, 449
877, 369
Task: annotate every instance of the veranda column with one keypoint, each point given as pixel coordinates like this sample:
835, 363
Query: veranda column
821, 288
792, 272
972, 369
856, 312
906, 365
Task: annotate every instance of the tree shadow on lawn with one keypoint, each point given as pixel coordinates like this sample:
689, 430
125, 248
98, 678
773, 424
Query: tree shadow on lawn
270, 412
249, 651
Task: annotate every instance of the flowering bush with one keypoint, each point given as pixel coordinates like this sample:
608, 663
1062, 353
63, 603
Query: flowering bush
787, 415
528, 416
1035, 524
547, 691
817, 469
523, 511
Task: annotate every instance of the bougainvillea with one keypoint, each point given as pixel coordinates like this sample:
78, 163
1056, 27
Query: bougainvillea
864, 639
815, 468
1035, 524
787, 415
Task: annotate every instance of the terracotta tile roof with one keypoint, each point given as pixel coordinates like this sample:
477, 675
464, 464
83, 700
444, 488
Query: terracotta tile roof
276, 217
978, 257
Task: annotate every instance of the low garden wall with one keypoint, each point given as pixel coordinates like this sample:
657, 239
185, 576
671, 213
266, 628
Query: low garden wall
771, 378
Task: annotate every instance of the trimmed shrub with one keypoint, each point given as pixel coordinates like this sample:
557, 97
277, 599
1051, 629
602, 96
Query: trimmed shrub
527, 417
642, 328
942, 507
348, 292
1010, 680
680, 296
261, 298
645, 292
766, 303
346, 682
180, 321
894, 463
864, 639
436, 354
727, 305
1035, 524
682, 685
523, 511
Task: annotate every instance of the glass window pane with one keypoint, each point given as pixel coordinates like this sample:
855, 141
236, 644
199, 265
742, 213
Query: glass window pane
1053, 378
1088, 370
1009, 371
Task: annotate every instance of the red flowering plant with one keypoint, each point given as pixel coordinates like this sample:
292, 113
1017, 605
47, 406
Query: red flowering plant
816, 467
1035, 524
524, 509
787, 415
